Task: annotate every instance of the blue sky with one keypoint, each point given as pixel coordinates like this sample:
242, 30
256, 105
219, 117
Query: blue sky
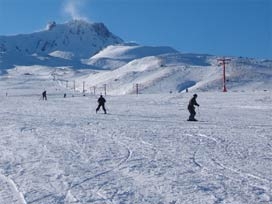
218, 27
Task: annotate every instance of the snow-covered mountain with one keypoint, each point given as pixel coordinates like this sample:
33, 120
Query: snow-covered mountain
57, 45
82, 52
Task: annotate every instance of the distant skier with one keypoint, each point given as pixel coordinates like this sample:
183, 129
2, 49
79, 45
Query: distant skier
44, 97
101, 102
191, 108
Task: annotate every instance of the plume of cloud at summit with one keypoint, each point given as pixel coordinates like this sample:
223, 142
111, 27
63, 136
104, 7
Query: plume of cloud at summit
73, 8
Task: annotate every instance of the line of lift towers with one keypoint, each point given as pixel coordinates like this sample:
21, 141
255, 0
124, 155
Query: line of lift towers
222, 61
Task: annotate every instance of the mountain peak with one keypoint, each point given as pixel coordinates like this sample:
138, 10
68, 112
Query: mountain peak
80, 26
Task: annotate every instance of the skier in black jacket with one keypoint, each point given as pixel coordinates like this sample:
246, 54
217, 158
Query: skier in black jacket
101, 102
191, 108
44, 97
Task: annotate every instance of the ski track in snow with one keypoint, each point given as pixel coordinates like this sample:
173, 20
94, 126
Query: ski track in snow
144, 151
237, 172
9, 191
118, 165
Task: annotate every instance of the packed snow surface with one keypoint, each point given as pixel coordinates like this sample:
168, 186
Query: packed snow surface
143, 151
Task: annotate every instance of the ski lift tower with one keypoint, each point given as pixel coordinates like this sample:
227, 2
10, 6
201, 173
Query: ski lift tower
223, 61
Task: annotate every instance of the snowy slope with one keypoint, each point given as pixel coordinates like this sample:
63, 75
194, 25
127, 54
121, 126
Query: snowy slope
129, 51
97, 58
115, 56
175, 72
158, 74
144, 151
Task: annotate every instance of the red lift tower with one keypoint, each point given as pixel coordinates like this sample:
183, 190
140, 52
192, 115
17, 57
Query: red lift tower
224, 61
